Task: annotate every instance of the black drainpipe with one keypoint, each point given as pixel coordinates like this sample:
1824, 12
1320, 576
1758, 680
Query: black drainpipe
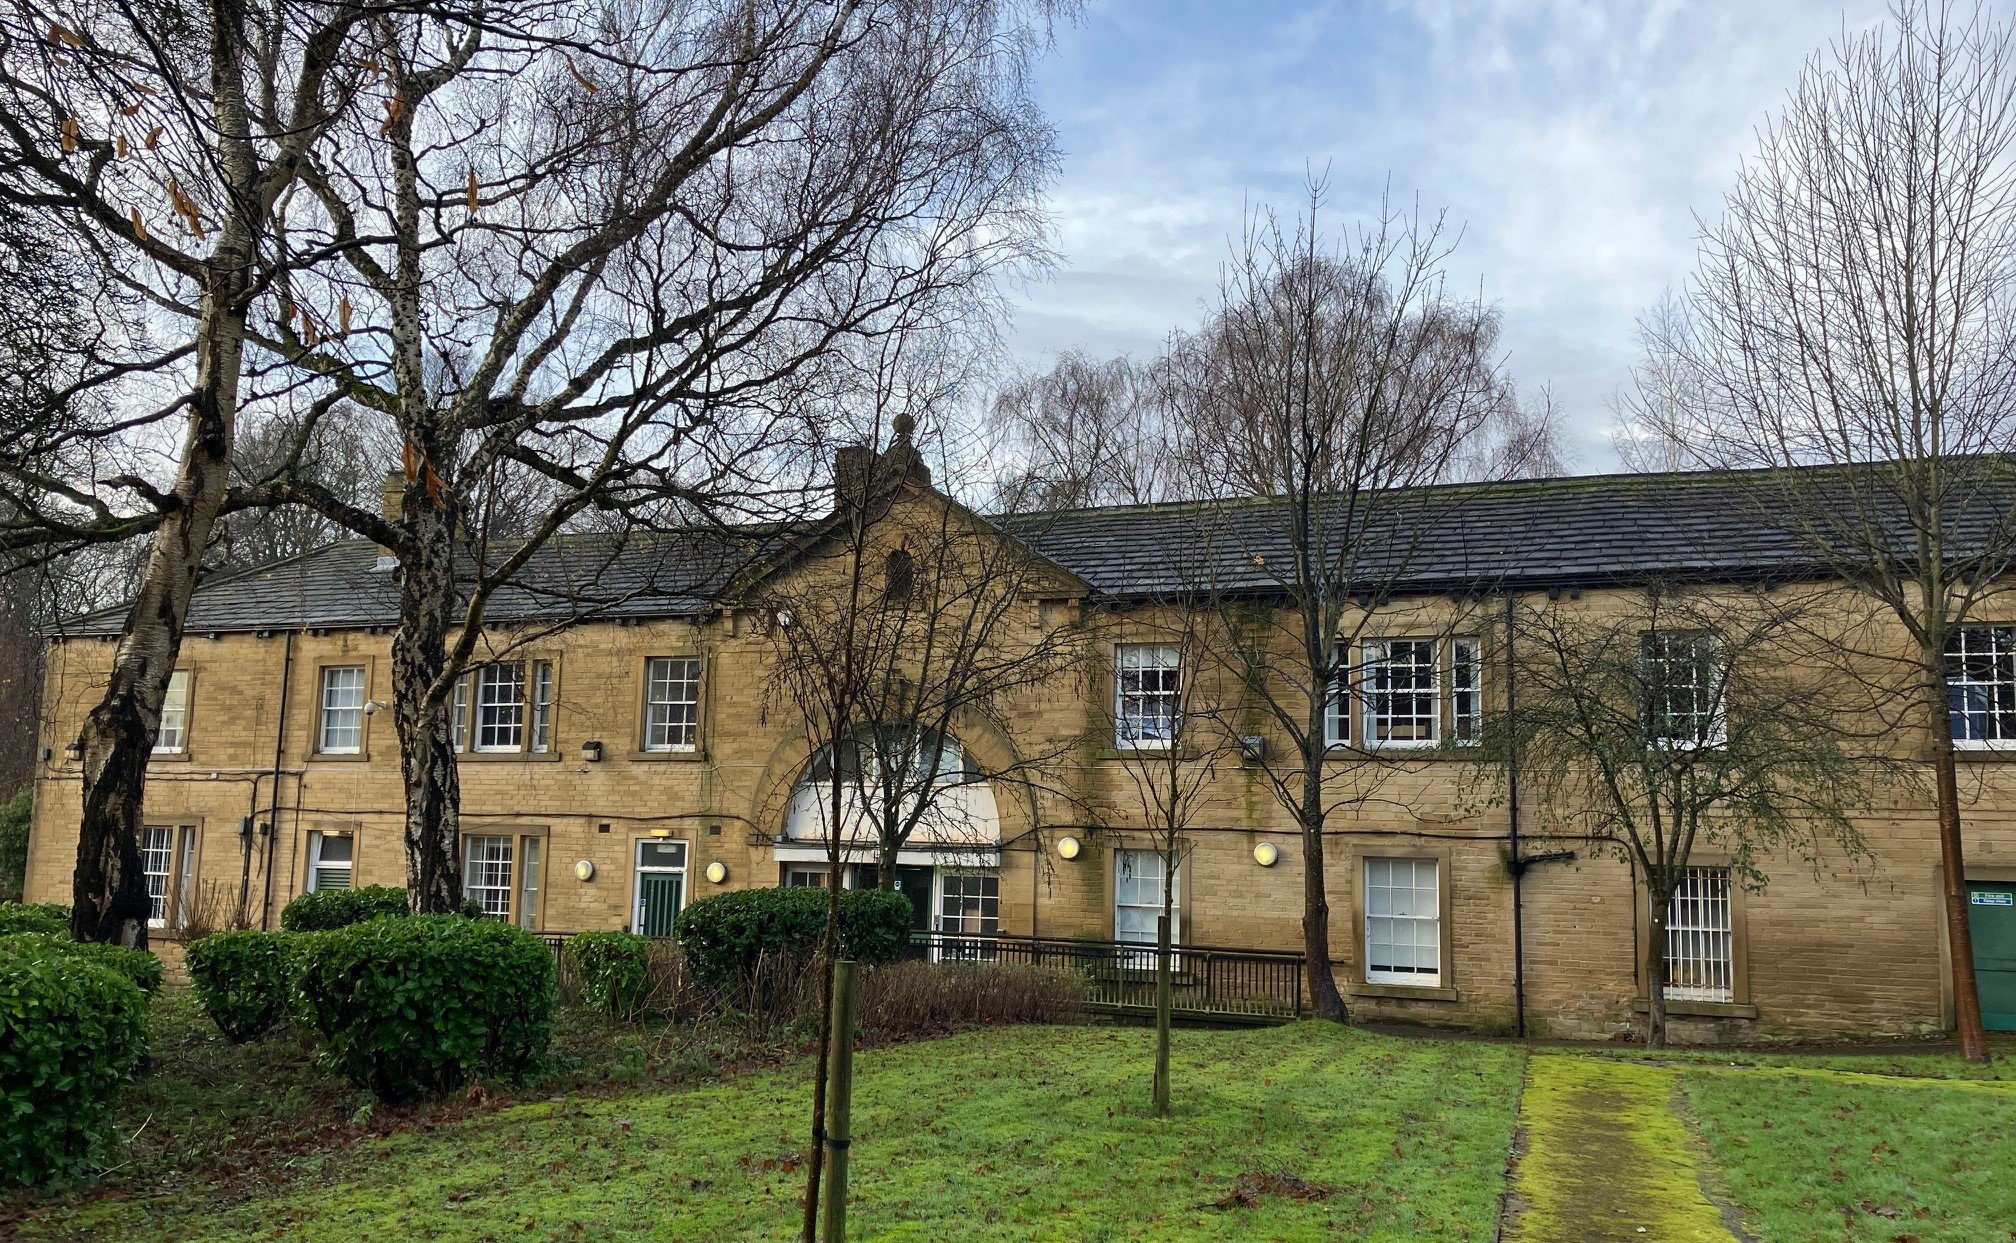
1515, 865
272, 828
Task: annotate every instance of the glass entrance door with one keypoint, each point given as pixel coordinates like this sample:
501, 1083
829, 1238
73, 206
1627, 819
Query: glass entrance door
660, 888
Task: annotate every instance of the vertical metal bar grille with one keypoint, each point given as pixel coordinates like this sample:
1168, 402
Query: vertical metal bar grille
1698, 966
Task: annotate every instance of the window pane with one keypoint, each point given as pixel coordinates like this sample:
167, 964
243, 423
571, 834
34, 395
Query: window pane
1146, 685
1682, 673
1400, 693
661, 854
330, 858
342, 729
1466, 701
174, 713
157, 861
1337, 713
1403, 925
542, 705
528, 885
1137, 895
486, 873
1981, 683
672, 703
500, 707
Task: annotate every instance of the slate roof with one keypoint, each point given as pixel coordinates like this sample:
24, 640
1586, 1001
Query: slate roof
1581, 530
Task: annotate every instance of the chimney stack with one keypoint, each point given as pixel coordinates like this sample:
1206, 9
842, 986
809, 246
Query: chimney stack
859, 469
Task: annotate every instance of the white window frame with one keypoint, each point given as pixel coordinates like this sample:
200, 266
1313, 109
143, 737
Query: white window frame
1391, 908
978, 914
1714, 730
672, 703
1995, 644
1466, 680
531, 863
1151, 911
1132, 696
1701, 937
1337, 710
499, 709
173, 736
317, 865
1377, 655
479, 850
169, 864
337, 717
458, 716
539, 739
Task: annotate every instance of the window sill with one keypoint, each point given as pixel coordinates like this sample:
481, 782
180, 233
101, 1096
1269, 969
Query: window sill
1702, 1009
169, 757
1404, 992
340, 757
694, 756
508, 757
1991, 753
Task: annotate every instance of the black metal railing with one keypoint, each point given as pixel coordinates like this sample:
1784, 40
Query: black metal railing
1207, 981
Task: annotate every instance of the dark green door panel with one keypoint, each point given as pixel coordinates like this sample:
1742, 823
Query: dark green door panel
1991, 916
658, 898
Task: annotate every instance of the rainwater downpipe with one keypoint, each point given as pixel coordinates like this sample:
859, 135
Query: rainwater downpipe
279, 751
1516, 865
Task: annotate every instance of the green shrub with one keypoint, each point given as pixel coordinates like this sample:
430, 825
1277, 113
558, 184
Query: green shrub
727, 935
70, 1033
15, 814
324, 909
36, 917
244, 980
138, 966
613, 968
413, 1005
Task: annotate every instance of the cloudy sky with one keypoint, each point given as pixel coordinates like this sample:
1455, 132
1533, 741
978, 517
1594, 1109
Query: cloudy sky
1573, 142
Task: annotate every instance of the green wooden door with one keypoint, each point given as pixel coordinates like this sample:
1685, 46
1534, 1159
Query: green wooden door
1991, 916
658, 898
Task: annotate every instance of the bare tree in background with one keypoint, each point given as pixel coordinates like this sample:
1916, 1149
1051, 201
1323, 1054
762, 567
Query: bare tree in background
159, 140
1661, 392
1329, 377
1685, 720
1092, 432
610, 253
1855, 307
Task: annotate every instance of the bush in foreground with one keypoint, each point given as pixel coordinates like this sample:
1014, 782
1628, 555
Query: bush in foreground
415, 1005
727, 936
35, 917
138, 966
71, 1032
613, 968
323, 909
244, 980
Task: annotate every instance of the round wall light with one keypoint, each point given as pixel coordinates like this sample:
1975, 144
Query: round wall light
1266, 854
584, 870
717, 871
1068, 847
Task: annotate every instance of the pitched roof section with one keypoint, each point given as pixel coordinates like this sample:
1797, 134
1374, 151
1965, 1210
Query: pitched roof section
1579, 530
341, 586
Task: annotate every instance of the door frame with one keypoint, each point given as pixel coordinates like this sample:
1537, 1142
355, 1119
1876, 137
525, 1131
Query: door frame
637, 871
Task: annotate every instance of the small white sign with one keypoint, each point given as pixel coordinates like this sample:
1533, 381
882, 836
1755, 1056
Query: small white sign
1989, 897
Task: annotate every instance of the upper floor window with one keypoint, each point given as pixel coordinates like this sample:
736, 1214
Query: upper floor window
671, 703
174, 735
341, 727
1682, 674
1147, 684
1981, 685
1411, 693
505, 707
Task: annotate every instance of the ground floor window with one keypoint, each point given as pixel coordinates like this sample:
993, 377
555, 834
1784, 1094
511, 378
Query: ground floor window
804, 878
501, 873
168, 859
1699, 961
1403, 922
331, 859
969, 905
1140, 879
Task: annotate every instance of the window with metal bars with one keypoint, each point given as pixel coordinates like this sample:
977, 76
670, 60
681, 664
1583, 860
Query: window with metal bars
1981, 685
1699, 965
1682, 677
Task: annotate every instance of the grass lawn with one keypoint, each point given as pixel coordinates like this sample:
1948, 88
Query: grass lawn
1822, 1155
1014, 1133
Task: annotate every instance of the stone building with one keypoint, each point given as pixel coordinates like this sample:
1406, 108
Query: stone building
641, 755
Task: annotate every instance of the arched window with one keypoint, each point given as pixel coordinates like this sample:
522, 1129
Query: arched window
899, 576
904, 757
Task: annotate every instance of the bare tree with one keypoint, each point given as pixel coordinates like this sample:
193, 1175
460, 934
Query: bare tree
1172, 786
1678, 720
1330, 380
1855, 307
160, 139
1091, 432
610, 253
1659, 395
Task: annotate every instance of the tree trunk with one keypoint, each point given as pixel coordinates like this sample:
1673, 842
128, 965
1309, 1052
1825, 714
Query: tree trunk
1655, 969
1324, 999
1953, 868
109, 889
1162, 1006
427, 763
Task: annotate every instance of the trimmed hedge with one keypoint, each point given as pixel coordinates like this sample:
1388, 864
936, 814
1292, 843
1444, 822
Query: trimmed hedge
138, 966
70, 1033
415, 1004
725, 936
36, 917
324, 909
244, 980
613, 968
